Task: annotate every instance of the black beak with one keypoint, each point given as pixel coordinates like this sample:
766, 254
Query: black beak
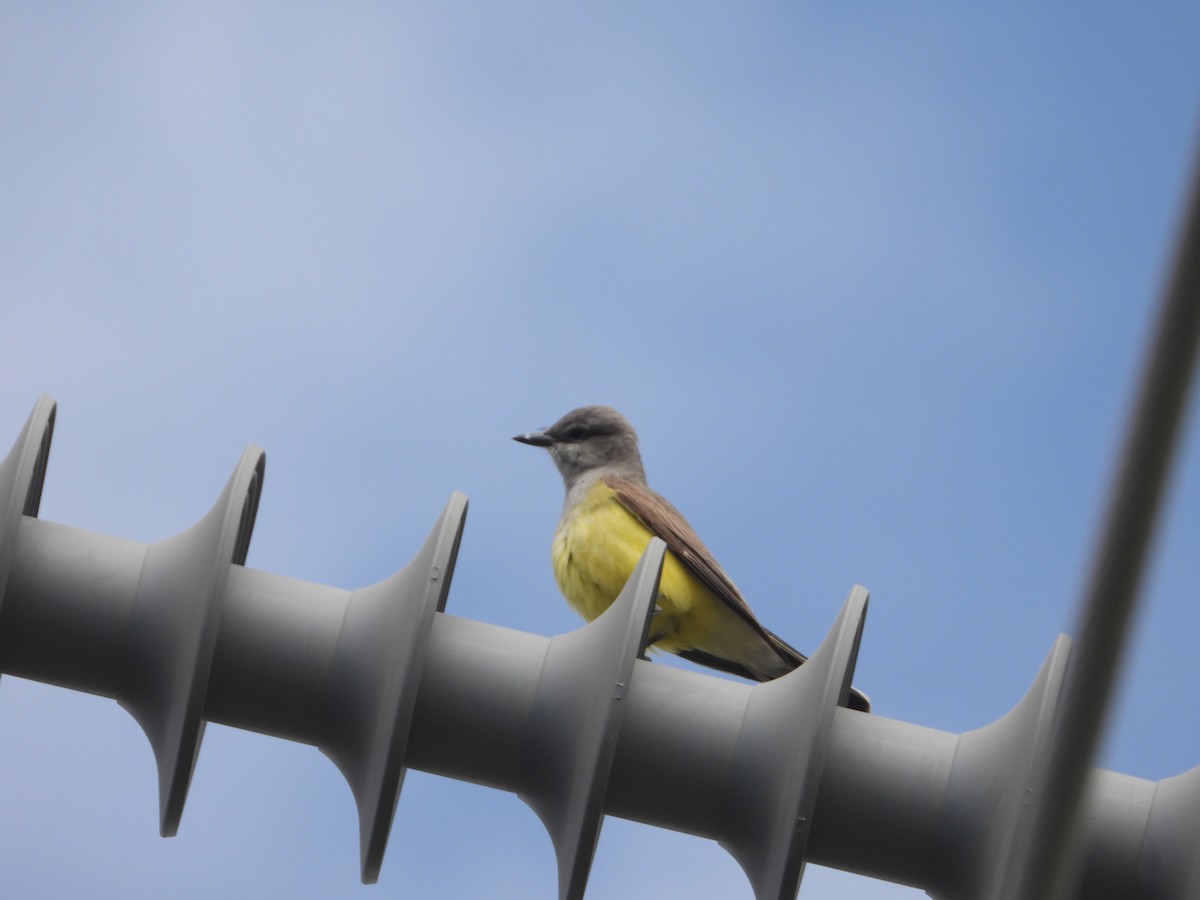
535, 438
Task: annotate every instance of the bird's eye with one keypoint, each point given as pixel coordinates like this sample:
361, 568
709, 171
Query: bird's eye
576, 432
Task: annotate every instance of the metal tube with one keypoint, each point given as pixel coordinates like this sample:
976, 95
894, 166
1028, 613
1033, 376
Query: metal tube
70, 595
274, 652
1111, 593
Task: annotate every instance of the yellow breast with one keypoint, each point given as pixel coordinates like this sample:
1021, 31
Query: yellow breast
596, 547
595, 550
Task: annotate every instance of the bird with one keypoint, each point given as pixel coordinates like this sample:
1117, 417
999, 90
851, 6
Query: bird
608, 517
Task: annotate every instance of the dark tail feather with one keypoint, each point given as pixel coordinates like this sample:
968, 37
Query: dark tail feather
793, 658
715, 662
789, 655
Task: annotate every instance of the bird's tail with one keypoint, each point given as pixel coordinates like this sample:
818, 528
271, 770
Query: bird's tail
782, 660
793, 659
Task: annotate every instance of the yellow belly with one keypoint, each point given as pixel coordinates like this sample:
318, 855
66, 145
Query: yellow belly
595, 551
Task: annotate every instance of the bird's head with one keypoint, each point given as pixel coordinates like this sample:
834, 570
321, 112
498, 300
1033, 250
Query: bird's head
591, 439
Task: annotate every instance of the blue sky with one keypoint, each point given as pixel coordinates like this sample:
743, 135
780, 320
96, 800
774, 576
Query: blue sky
872, 281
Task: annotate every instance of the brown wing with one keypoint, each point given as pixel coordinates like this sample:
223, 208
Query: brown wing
657, 514
664, 520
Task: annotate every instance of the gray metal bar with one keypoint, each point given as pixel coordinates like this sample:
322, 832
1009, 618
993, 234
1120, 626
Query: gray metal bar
274, 653
77, 591
1042, 871
382, 679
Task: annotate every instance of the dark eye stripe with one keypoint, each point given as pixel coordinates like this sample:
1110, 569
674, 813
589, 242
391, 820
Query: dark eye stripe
578, 431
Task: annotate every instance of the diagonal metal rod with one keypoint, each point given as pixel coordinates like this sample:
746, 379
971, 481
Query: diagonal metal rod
1111, 592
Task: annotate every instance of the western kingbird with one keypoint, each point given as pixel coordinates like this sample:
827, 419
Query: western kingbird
608, 518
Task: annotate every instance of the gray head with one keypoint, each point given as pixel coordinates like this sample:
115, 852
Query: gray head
591, 441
